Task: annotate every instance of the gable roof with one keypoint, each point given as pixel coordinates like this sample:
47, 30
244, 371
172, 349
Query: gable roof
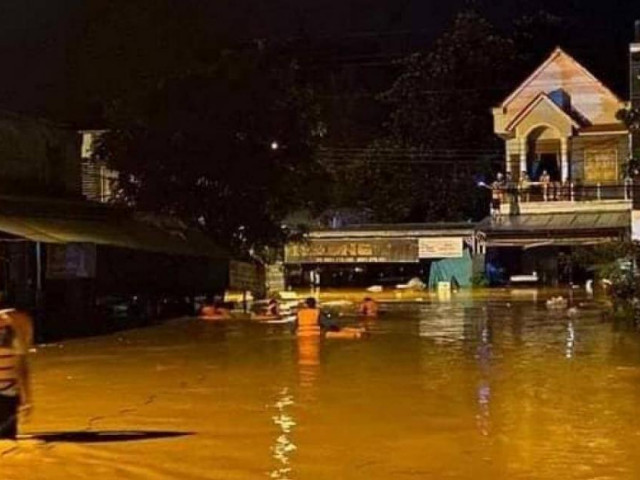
540, 98
557, 53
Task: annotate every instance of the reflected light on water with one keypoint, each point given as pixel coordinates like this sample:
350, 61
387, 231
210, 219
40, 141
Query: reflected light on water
308, 360
571, 340
484, 408
484, 388
284, 446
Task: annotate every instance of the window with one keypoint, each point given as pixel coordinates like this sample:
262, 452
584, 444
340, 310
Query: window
601, 166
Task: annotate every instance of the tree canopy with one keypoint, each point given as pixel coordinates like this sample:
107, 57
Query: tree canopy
439, 134
438, 141
229, 148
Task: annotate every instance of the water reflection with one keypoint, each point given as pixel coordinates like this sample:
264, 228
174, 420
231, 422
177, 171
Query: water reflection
284, 446
308, 367
308, 360
483, 395
443, 326
571, 340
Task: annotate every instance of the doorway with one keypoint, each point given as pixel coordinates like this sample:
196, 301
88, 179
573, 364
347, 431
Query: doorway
548, 162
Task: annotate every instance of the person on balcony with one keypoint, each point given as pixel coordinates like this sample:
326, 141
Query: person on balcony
545, 180
628, 185
497, 194
523, 186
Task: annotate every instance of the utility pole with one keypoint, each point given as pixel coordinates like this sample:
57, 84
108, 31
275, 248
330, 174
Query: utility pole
634, 85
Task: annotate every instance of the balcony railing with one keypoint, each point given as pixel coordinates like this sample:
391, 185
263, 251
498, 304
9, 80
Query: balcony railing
568, 191
540, 197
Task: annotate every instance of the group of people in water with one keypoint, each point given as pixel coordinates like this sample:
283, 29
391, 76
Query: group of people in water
309, 320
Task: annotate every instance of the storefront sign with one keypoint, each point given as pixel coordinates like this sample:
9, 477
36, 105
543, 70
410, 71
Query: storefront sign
442, 247
72, 260
348, 251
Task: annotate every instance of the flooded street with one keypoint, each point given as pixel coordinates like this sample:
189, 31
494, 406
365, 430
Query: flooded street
482, 386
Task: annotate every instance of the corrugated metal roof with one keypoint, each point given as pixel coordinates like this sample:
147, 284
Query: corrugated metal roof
398, 230
116, 232
558, 222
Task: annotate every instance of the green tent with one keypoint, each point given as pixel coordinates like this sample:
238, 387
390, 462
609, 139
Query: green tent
455, 270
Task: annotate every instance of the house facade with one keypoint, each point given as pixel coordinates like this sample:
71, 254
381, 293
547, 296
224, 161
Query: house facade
567, 164
562, 120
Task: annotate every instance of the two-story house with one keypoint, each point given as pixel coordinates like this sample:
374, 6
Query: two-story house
566, 155
562, 120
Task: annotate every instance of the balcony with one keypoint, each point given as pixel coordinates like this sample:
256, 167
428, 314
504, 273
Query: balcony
541, 198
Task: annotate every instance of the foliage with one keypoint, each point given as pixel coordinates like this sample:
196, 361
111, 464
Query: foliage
480, 280
228, 149
602, 259
442, 98
630, 117
614, 262
439, 137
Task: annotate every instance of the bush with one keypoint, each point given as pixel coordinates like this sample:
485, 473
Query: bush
480, 280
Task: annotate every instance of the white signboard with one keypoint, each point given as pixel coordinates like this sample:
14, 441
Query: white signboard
441, 247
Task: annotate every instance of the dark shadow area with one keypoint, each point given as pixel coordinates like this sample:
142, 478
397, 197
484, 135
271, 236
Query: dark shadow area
102, 437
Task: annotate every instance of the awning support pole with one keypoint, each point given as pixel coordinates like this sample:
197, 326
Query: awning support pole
38, 272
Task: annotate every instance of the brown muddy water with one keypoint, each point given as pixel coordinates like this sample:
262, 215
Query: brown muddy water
489, 385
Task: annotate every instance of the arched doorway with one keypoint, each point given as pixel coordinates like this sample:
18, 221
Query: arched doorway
543, 153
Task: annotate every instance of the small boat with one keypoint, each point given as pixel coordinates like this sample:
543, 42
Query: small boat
275, 320
347, 333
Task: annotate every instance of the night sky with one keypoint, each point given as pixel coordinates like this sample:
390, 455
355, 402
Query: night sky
38, 38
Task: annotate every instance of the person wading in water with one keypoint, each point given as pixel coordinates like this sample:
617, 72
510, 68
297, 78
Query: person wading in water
16, 337
311, 322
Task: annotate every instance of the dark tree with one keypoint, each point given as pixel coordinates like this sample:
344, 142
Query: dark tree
631, 118
442, 98
228, 149
440, 132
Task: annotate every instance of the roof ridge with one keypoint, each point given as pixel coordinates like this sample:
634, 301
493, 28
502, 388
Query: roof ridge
557, 51
532, 104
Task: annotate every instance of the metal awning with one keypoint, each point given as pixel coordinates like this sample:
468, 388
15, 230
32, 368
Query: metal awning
557, 222
116, 231
529, 243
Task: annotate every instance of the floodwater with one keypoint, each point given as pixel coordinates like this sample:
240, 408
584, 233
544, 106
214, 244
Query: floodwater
482, 386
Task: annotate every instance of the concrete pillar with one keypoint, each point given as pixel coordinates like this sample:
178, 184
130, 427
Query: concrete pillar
522, 148
507, 158
564, 159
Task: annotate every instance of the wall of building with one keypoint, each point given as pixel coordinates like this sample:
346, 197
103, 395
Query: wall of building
99, 183
38, 157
